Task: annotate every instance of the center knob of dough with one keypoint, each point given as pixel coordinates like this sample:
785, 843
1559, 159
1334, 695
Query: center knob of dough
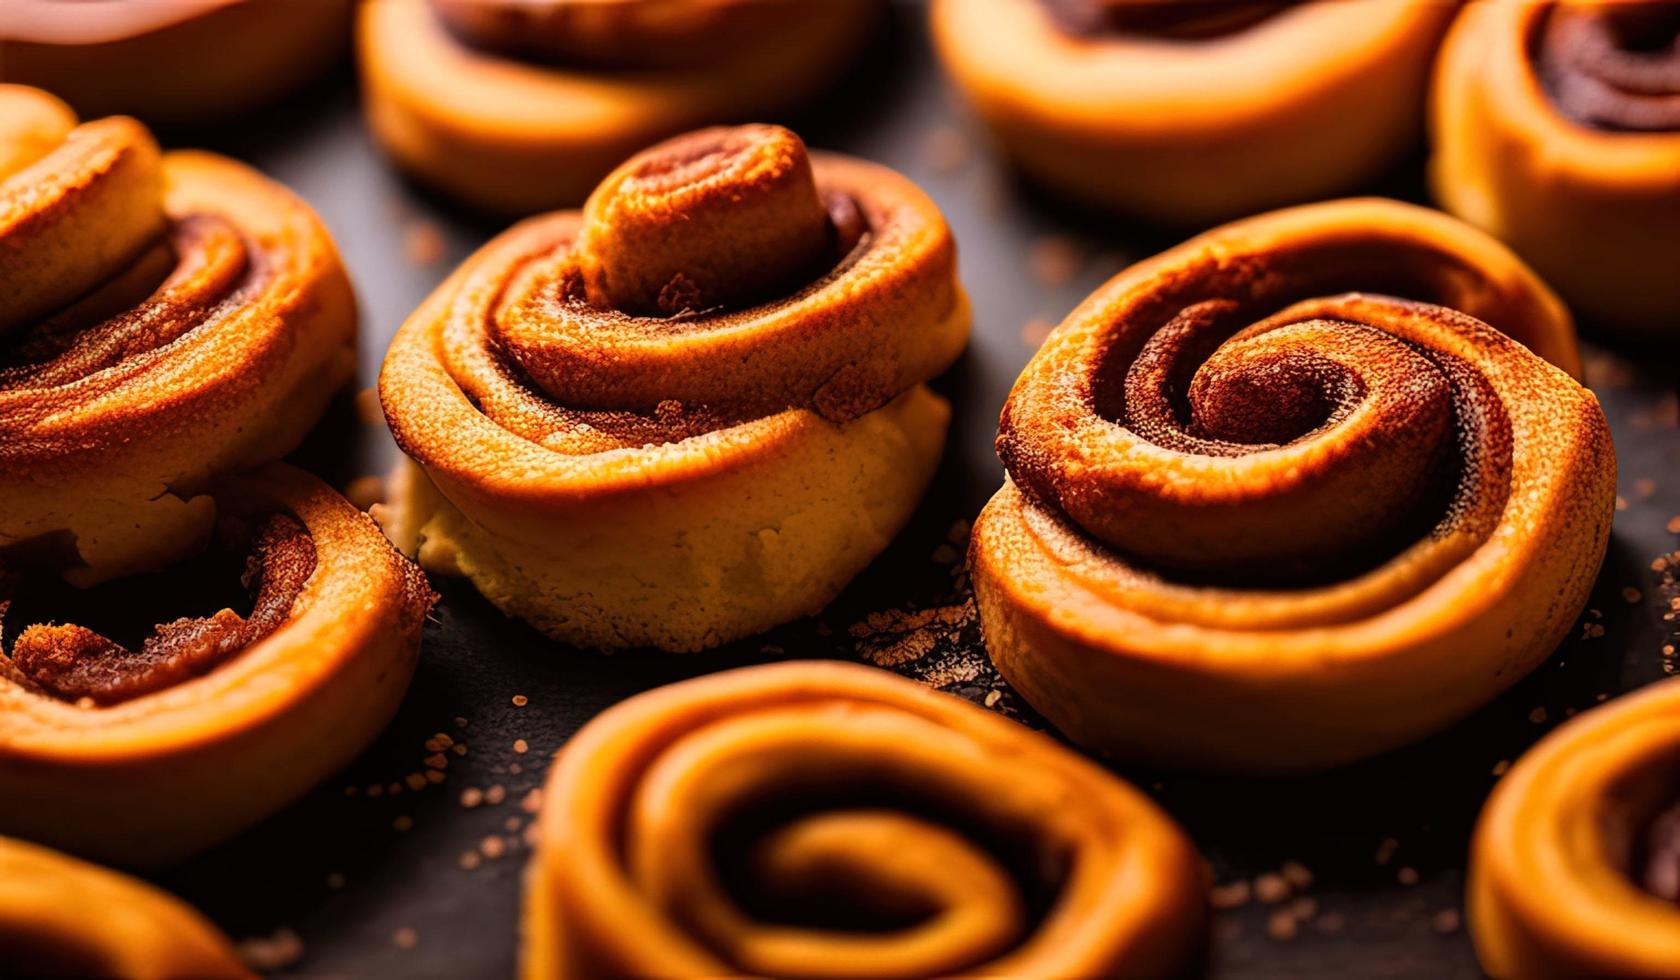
723, 217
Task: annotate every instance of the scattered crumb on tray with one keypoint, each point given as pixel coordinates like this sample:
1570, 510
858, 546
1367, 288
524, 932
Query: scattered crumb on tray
948, 149
1034, 332
1056, 260
267, 954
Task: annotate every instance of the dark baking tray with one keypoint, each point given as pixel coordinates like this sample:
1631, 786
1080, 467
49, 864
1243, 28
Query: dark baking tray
376, 887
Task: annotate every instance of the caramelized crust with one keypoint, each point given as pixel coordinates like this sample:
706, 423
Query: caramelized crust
723, 310
517, 107
215, 723
1556, 127
1573, 869
73, 662
818, 819
1190, 112
167, 318
1288, 471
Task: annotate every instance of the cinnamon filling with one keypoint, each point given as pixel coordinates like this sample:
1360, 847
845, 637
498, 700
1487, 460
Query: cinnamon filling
1660, 870
1235, 359
1613, 67
167, 292
1177, 20
73, 662
712, 224
646, 34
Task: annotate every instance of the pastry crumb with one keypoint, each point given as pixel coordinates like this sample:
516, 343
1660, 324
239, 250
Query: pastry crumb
1233, 895
268, 954
1271, 888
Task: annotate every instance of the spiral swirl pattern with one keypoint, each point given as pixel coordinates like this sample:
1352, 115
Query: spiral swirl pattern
1556, 128
1554, 887
1245, 512
1614, 66
731, 337
824, 819
215, 722
167, 317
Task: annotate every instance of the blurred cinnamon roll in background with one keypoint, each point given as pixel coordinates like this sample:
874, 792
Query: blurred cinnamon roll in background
1557, 128
60, 917
1188, 112
1575, 869
169, 61
515, 106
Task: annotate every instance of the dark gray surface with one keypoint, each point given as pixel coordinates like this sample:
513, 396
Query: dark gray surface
283, 873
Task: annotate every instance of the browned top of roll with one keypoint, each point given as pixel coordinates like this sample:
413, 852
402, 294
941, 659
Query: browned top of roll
138, 282
1276, 401
1613, 66
722, 276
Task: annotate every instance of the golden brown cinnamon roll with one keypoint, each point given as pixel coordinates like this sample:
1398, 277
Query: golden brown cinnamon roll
1557, 128
169, 61
516, 106
1256, 519
1575, 869
60, 917
691, 412
1194, 111
820, 819
166, 317
145, 752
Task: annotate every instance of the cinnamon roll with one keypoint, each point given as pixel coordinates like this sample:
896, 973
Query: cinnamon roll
1255, 519
144, 750
169, 61
821, 819
690, 412
1557, 128
515, 106
1194, 111
1575, 868
166, 318
60, 917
